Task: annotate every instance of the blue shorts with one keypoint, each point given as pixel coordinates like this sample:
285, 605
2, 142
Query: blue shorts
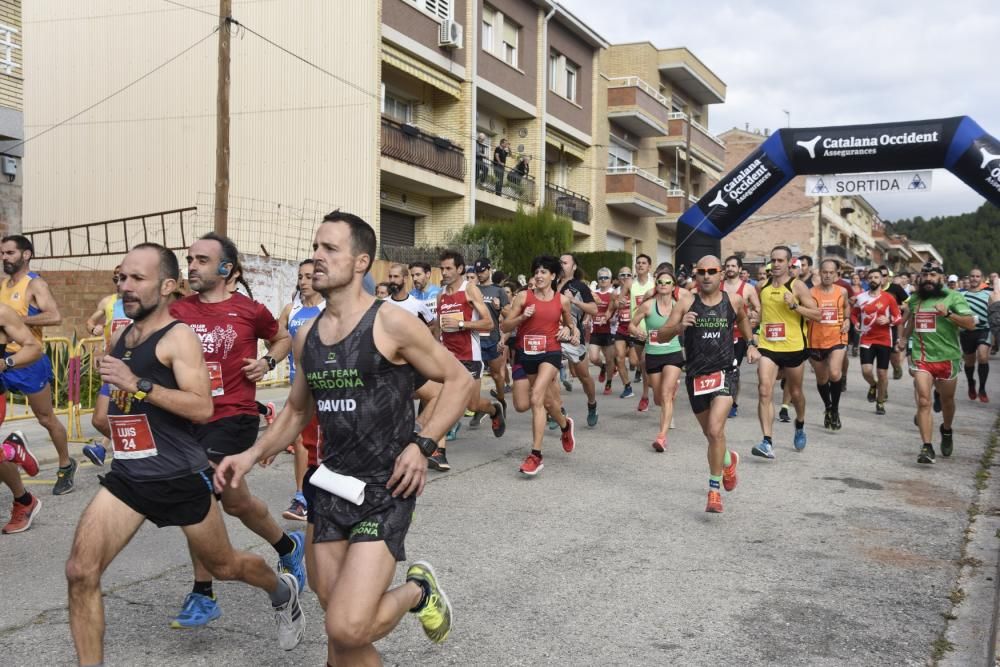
29, 379
489, 351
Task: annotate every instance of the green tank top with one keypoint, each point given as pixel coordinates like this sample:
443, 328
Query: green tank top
654, 320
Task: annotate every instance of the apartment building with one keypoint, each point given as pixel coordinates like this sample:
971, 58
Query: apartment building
11, 116
899, 252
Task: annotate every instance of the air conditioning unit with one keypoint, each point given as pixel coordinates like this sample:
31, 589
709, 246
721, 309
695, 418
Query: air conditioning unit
450, 35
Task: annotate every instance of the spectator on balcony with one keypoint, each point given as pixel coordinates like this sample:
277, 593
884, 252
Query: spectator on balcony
482, 158
500, 154
520, 170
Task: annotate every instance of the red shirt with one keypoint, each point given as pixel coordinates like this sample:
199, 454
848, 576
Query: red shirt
463, 344
867, 309
602, 321
538, 334
229, 331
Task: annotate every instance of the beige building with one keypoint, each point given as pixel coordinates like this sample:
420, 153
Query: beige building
11, 116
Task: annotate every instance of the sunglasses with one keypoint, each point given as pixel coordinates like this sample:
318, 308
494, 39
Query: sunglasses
707, 272
624, 275
604, 277
664, 282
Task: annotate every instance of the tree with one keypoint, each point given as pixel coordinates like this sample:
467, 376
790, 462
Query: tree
512, 244
964, 241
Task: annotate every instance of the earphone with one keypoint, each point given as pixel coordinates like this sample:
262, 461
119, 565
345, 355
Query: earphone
223, 271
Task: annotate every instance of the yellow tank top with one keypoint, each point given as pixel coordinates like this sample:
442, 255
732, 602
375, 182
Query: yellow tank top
637, 293
781, 328
16, 296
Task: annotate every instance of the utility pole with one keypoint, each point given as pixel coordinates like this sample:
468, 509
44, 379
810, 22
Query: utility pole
222, 122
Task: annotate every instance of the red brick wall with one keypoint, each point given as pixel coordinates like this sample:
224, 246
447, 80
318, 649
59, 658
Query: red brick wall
77, 294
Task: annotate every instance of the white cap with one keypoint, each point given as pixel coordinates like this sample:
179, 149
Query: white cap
953, 278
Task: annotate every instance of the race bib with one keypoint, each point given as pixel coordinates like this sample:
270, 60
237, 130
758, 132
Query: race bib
653, 336
639, 299
119, 324
215, 375
828, 315
534, 344
925, 322
601, 319
774, 331
708, 384
457, 315
131, 437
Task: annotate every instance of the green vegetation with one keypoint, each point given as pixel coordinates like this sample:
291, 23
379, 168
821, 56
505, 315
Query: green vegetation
512, 244
964, 241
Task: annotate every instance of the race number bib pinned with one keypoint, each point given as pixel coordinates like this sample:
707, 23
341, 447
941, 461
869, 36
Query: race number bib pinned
925, 323
708, 384
131, 437
534, 344
654, 336
119, 323
601, 320
215, 375
828, 315
774, 331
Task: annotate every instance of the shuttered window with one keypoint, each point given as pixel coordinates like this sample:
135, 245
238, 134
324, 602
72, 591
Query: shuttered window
396, 228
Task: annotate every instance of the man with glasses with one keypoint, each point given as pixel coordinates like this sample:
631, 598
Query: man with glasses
976, 342
736, 285
936, 315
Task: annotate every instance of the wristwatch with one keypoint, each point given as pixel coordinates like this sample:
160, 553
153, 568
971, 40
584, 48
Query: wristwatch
271, 362
461, 325
426, 445
143, 387
8, 363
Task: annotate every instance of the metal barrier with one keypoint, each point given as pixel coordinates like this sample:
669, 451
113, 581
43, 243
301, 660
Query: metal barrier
86, 351
60, 352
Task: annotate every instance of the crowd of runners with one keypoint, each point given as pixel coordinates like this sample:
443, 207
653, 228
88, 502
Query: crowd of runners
384, 378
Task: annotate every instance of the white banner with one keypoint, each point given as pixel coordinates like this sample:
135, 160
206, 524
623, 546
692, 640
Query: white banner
834, 185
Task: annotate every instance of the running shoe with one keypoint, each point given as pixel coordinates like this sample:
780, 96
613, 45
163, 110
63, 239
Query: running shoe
21, 516
937, 401
714, 505
660, 444
643, 404
607, 389
95, 453
835, 420
926, 454
827, 418
638, 375
734, 411
843, 384
64, 479
550, 422
592, 415
499, 420
800, 439
476, 420
15, 450
567, 385
270, 414
627, 392
983, 398
871, 393
453, 432
438, 461
197, 610
947, 442
532, 465
880, 408
729, 478
296, 511
602, 376
783, 415
897, 373
507, 389
764, 450
294, 563
972, 393
288, 617
568, 438
436, 613
469, 413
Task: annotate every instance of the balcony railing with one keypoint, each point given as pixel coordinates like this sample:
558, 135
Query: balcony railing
701, 139
504, 182
844, 254
568, 203
632, 169
409, 144
629, 81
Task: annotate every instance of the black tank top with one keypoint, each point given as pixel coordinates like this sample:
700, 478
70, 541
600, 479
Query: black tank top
363, 401
176, 452
708, 345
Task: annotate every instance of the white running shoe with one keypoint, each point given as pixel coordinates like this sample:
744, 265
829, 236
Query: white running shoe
288, 617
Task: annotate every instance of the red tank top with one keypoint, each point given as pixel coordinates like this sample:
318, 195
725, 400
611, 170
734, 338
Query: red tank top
537, 334
746, 308
602, 321
463, 344
624, 317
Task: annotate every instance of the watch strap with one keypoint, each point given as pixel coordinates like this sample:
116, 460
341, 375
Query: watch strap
426, 445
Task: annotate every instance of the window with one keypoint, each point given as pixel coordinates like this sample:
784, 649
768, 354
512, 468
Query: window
571, 71
563, 74
439, 9
395, 107
500, 35
489, 16
554, 69
510, 43
620, 156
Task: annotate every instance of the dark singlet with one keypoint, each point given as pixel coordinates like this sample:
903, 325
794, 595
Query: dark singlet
149, 442
362, 401
708, 345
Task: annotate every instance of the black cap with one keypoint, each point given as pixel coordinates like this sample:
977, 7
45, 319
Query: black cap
482, 264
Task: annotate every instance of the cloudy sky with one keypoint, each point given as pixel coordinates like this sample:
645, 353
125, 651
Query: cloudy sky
833, 63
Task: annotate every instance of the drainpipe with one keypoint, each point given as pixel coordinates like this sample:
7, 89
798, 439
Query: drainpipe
474, 78
543, 109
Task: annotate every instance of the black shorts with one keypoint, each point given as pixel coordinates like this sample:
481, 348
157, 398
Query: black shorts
475, 368
602, 339
730, 383
786, 359
817, 354
183, 501
876, 354
380, 518
227, 436
971, 340
656, 362
531, 362
309, 492
740, 350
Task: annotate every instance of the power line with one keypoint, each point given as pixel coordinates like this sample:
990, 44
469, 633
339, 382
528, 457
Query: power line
194, 9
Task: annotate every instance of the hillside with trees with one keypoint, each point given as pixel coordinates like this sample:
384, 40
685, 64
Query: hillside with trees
964, 241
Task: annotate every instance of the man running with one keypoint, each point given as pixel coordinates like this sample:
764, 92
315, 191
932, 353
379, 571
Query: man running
423, 289
110, 315
828, 340
875, 313
894, 286
357, 363
976, 342
602, 343
736, 285
641, 283
490, 345
28, 295
160, 472
582, 304
625, 345
229, 325
936, 315
707, 320
785, 305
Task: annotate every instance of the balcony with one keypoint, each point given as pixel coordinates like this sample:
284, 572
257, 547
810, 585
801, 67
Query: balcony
678, 202
637, 107
685, 70
411, 145
636, 192
567, 203
505, 182
844, 254
704, 145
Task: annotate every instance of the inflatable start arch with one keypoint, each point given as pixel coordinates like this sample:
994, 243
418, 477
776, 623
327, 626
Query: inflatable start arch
957, 144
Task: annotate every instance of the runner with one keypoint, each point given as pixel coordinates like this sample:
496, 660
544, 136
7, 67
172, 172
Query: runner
976, 342
160, 472
875, 313
736, 285
664, 360
936, 315
229, 325
306, 305
785, 306
894, 286
491, 345
28, 295
357, 363
536, 313
624, 343
794, 271
423, 289
602, 341
828, 340
707, 321
641, 283
582, 305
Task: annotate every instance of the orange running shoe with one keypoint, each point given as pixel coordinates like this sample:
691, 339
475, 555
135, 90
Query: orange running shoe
729, 472
660, 444
714, 502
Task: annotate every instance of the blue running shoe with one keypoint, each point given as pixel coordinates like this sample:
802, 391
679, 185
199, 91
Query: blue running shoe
764, 449
198, 610
95, 453
294, 563
627, 392
800, 439
592, 415
453, 432
734, 411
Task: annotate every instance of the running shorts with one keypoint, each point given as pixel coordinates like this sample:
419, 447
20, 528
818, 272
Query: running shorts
29, 379
475, 368
227, 436
730, 382
532, 362
184, 501
656, 362
939, 370
817, 354
971, 340
876, 354
786, 359
602, 339
489, 351
574, 353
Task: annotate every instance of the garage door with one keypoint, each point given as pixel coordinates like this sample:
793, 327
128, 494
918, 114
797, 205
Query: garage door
396, 228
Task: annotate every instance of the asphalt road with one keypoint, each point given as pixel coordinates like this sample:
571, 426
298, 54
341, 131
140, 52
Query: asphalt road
847, 553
